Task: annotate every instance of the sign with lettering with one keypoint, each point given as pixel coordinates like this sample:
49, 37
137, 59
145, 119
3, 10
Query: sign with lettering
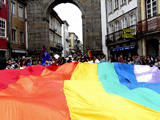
124, 48
127, 33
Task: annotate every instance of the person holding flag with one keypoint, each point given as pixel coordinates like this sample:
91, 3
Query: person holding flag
44, 55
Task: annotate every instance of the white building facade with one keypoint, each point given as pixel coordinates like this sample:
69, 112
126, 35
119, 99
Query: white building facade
65, 39
104, 26
55, 34
121, 15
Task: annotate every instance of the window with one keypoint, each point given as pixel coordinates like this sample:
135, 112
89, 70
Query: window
132, 19
110, 28
109, 6
123, 1
116, 4
117, 25
50, 22
55, 39
14, 35
21, 37
124, 23
3, 1
14, 8
133, 22
20, 12
151, 8
2, 28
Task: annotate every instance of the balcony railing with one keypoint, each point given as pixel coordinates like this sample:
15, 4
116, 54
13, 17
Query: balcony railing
59, 46
149, 25
115, 36
52, 44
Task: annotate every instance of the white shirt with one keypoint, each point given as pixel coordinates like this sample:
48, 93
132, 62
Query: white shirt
97, 61
90, 61
21, 67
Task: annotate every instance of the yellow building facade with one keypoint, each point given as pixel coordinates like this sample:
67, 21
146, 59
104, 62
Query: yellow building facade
150, 27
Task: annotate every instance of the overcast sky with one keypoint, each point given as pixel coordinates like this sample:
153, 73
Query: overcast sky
72, 15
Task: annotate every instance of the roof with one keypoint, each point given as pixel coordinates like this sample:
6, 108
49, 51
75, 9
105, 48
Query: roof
65, 22
55, 15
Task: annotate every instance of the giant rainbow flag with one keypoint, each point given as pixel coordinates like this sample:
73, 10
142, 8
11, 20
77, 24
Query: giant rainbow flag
81, 91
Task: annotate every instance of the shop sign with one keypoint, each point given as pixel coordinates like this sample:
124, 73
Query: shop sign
19, 51
126, 33
124, 48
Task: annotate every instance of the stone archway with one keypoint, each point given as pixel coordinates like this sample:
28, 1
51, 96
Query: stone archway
38, 20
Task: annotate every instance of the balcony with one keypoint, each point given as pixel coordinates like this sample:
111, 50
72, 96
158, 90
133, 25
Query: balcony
150, 25
116, 36
52, 44
59, 46
56, 45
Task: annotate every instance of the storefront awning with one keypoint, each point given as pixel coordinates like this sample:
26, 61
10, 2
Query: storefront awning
124, 48
72, 51
58, 52
19, 51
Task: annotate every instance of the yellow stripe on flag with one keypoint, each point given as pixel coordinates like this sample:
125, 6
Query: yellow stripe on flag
85, 72
87, 100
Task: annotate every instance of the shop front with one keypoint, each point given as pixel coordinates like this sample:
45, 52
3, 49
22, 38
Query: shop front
152, 47
126, 51
54, 50
3, 48
16, 54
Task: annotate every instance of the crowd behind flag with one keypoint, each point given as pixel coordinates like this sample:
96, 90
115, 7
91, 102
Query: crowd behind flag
56, 60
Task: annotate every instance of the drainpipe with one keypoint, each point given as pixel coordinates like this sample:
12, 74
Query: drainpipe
146, 26
104, 27
10, 29
9, 52
26, 30
146, 17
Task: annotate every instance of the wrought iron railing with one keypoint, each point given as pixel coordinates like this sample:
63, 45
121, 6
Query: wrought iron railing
59, 46
113, 37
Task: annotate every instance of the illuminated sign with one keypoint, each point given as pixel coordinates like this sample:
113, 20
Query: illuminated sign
126, 33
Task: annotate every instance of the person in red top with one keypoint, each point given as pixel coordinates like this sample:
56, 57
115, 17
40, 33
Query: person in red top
121, 59
56, 63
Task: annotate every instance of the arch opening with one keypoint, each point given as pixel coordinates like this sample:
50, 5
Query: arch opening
51, 5
48, 7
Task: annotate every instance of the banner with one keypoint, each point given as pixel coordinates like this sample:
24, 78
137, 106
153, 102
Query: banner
44, 55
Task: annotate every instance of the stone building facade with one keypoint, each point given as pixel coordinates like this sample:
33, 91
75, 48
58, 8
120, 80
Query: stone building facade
38, 23
19, 28
150, 27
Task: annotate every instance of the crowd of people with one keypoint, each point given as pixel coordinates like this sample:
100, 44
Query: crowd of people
21, 63
137, 60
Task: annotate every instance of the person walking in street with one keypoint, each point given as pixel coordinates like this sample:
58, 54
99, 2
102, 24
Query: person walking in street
46, 63
23, 65
29, 63
70, 60
104, 59
9, 66
96, 60
121, 59
137, 60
